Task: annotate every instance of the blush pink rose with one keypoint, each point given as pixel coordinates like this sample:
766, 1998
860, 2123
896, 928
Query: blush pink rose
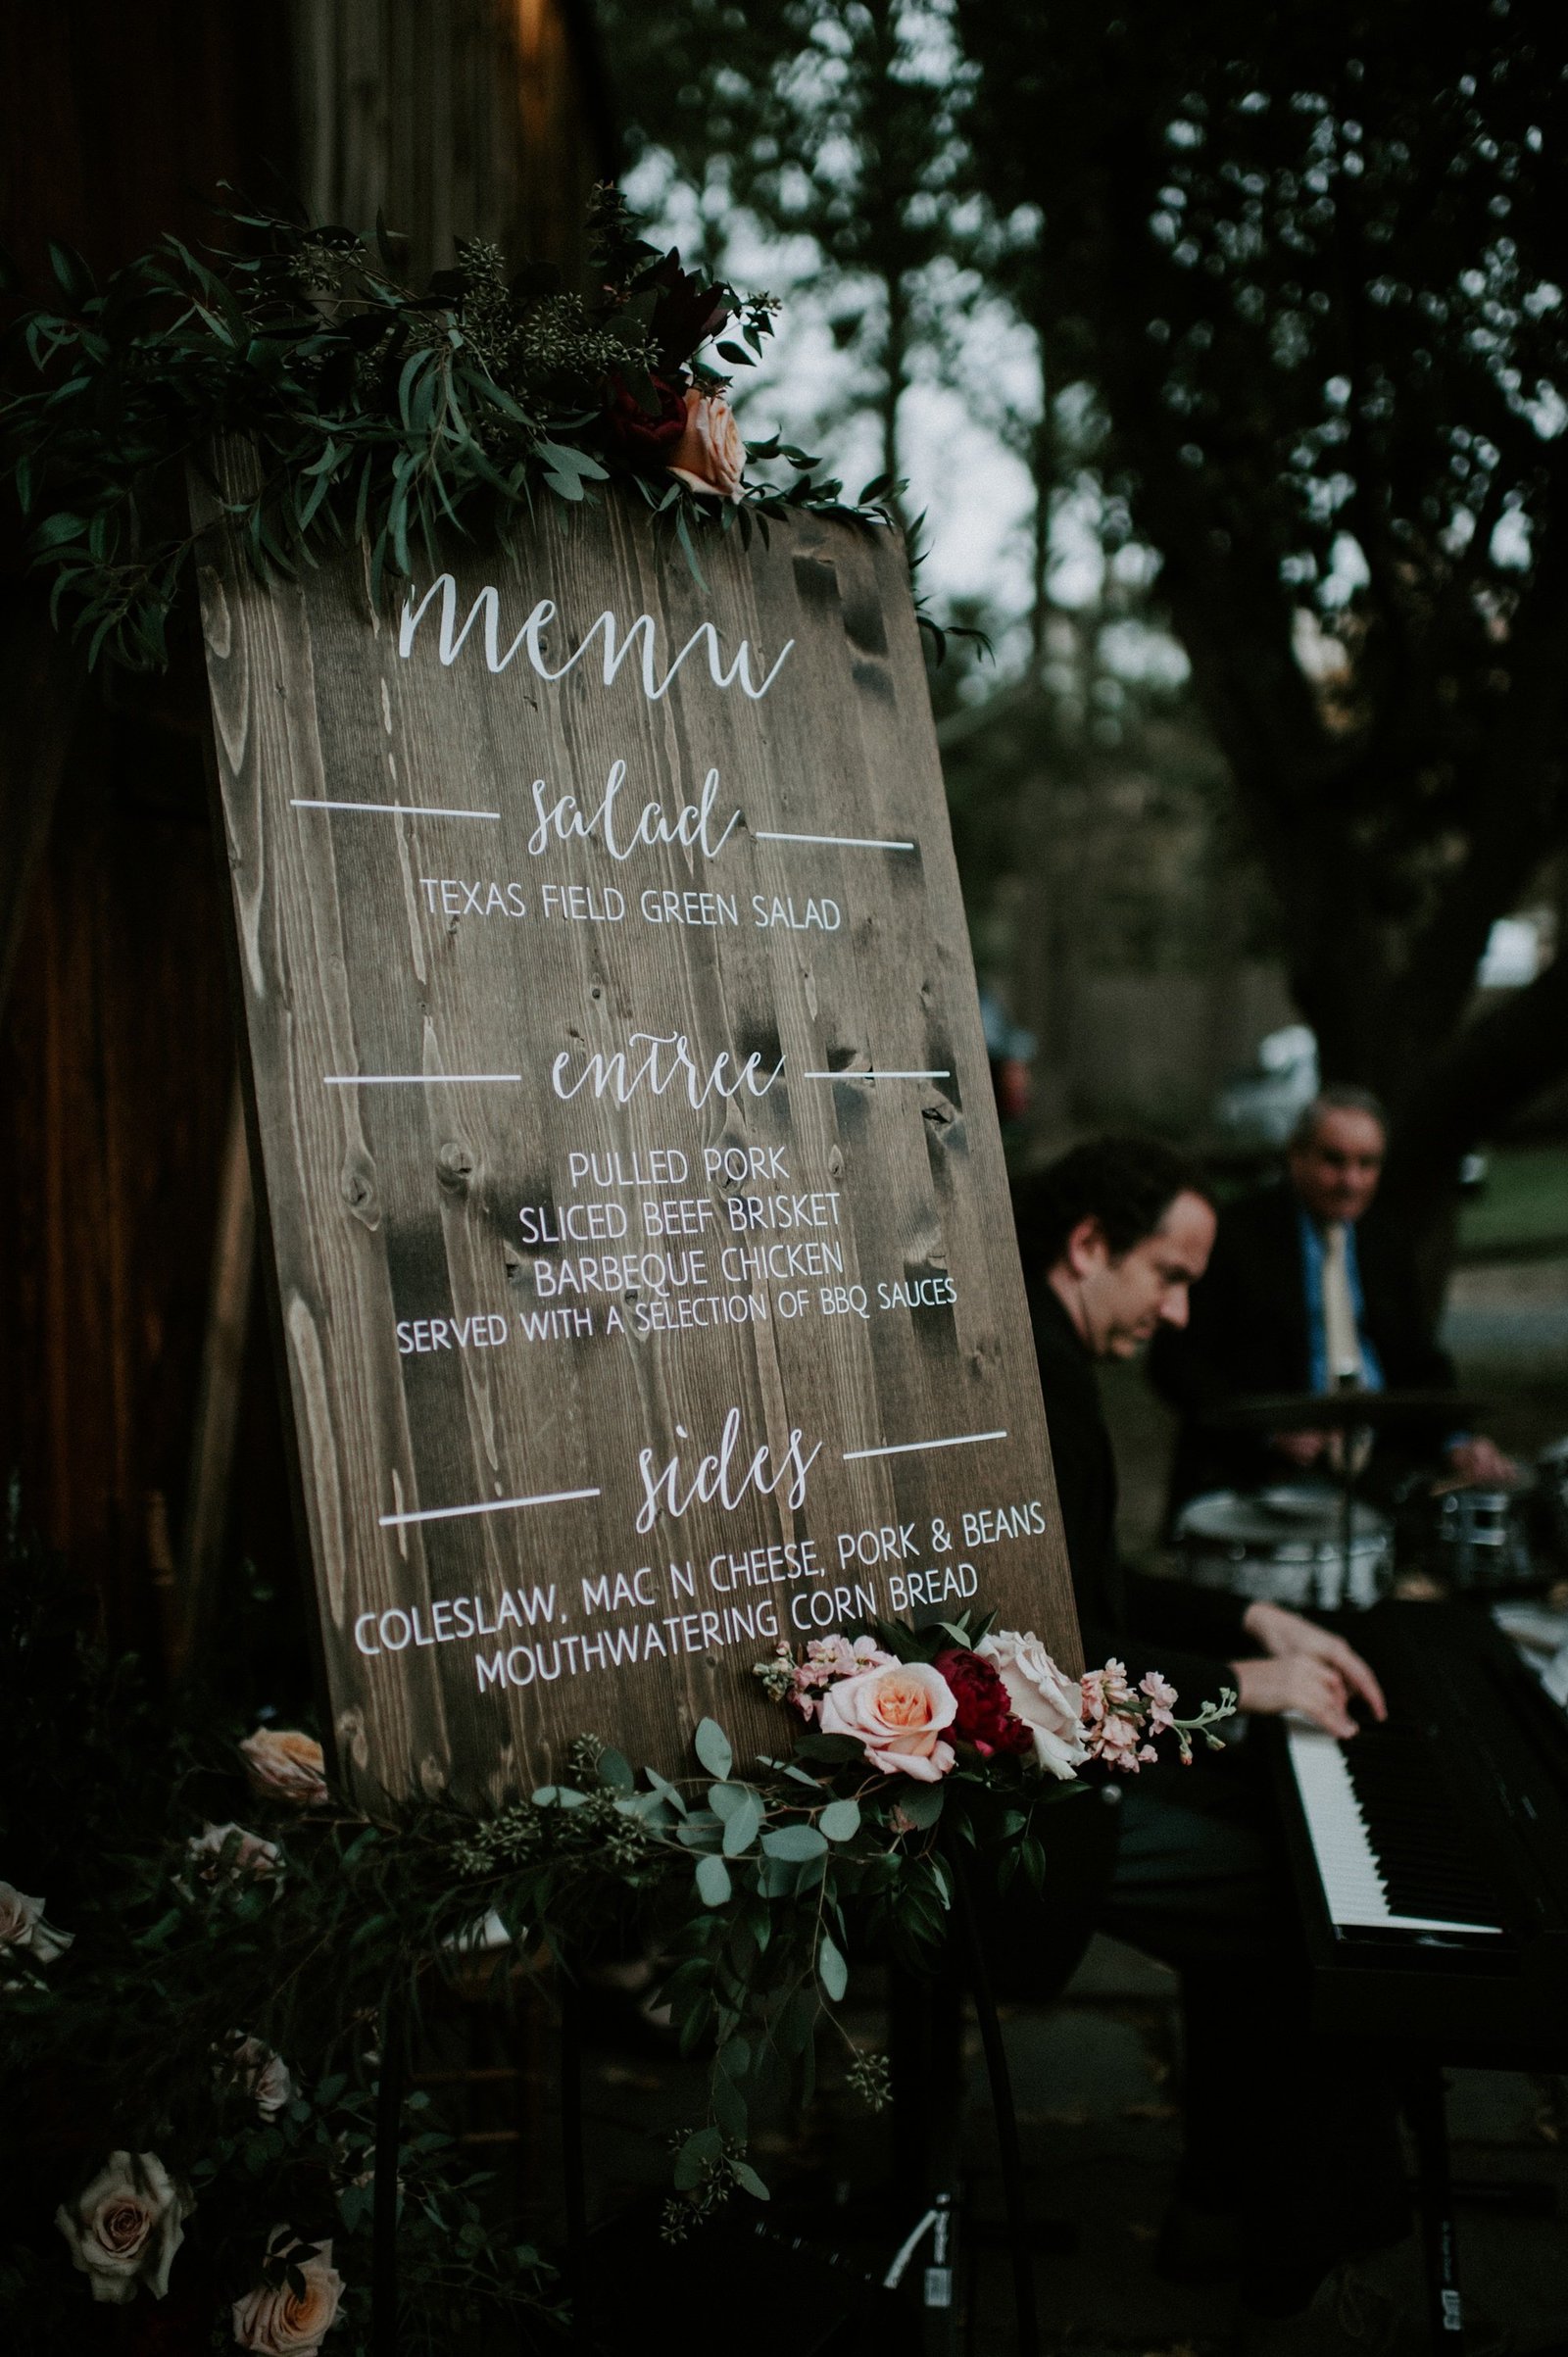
229, 1853
263, 2074
125, 2229
709, 456
897, 1714
277, 2322
1045, 1697
286, 1765
24, 1930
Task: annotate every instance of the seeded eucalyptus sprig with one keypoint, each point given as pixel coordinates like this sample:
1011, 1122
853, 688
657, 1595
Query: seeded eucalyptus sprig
377, 410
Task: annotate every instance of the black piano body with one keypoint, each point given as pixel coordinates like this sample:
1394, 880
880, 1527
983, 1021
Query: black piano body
1430, 1858
1465, 1799
1465, 1796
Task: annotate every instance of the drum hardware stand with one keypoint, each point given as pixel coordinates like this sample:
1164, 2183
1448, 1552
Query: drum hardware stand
1425, 2111
1349, 1439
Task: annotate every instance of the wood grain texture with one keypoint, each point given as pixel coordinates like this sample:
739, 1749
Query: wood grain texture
402, 1203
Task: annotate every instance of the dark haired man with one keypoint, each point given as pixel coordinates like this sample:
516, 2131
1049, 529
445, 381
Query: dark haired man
1279, 2185
1114, 1236
1308, 1288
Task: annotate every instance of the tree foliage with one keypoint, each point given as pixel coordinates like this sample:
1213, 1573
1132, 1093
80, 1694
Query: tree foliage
1310, 262
837, 120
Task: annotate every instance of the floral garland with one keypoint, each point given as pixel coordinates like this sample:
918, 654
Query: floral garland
255, 1961
377, 411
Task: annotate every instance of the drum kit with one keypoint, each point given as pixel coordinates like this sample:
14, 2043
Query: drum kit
1316, 1546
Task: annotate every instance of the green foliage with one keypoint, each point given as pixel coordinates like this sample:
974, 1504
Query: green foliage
375, 411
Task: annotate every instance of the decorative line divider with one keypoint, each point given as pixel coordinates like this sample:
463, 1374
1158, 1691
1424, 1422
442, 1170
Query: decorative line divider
486, 1506
410, 1080
764, 834
406, 810
957, 1440
878, 1076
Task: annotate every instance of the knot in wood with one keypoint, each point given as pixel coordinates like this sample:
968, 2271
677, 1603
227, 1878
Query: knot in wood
453, 1165
357, 1186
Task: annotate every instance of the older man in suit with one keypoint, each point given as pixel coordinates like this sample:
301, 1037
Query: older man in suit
1308, 1288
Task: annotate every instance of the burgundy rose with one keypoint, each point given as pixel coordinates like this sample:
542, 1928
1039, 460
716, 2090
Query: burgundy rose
646, 436
986, 1717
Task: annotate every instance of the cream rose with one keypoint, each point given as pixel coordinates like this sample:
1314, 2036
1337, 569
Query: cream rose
709, 456
898, 1713
286, 1765
126, 2227
23, 1928
1043, 1697
281, 2322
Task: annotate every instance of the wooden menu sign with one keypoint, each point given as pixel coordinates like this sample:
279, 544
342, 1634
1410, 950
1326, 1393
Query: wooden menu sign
644, 1263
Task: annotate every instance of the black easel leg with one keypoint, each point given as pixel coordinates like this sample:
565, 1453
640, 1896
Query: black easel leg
1023, 2271
384, 2183
573, 2177
1424, 2106
925, 2049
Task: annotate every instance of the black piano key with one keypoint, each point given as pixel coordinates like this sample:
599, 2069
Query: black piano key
1422, 1857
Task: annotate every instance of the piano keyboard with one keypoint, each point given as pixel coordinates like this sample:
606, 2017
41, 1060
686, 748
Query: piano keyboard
1384, 1852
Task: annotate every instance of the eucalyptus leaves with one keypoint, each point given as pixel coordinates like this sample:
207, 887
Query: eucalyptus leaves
376, 411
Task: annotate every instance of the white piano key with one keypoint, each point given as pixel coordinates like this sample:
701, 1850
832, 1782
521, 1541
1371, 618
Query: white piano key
1346, 1863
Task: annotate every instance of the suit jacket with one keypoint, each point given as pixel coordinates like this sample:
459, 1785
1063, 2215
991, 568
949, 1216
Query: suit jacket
1189, 1634
1247, 1332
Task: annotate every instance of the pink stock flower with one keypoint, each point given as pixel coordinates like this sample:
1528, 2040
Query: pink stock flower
1161, 1700
828, 1661
896, 1712
1119, 1721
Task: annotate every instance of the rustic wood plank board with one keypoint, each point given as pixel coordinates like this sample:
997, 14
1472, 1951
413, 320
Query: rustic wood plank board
823, 1265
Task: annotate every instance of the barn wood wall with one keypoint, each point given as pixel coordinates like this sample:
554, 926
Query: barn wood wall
117, 1033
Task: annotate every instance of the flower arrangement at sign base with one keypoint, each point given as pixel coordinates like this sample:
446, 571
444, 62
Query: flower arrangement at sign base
226, 2115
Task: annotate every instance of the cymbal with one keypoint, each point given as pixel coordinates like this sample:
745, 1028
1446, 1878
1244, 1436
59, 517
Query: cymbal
1344, 1411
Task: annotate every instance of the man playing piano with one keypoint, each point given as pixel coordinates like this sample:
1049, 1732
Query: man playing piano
1292, 2164
1308, 1288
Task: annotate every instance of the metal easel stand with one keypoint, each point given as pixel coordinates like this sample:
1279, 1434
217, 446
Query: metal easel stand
389, 2092
928, 2085
575, 2181
1002, 2104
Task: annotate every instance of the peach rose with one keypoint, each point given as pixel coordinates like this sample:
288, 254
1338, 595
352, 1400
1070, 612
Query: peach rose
709, 456
279, 2321
1045, 1697
126, 2227
898, 1713
23, 1929
286, 1765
